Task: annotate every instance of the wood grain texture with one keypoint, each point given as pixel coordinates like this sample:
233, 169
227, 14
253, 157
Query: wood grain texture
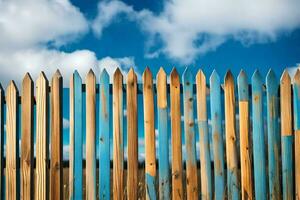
245, 145
118, 148
132, 136
205, 159
27, 140
12, 143
90, 135
2, 99
177, 185
233, 184
190, 136
286, 136
56, 171
150, 155
273, 135
163, 137
296, 108
217, 135
104, 143
42, 142
259, 158
76, 133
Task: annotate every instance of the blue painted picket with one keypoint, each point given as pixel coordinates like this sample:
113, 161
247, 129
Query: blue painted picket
273, 135
245, 144
190, 136
78, 131
296, 108
163, 137
217, 135
258, 138
287, 138
104, 134
205, 159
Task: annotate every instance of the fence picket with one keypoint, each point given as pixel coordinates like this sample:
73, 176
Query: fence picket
190, 136
104, 147
296, 108
90, 135
233, 184
75, 172
12, 142
150, 157
27, 143
260, 183
2, 185
205, 165
132, 136
163, 137
42, 142
118, 155
273, 135
177, 185
245, 147
56, 173
286, 136
217, 135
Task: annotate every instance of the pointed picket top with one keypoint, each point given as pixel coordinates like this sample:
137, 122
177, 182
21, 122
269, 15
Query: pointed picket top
131, 76
27, 79
104, 76
243, 90
229, 79
187, 76
147, 74
11, 88
272, 82
297, 77
256, 78
285, 78
90, 74
42, 78
200, 77
174, 78
57, 74
161, 74
214, 77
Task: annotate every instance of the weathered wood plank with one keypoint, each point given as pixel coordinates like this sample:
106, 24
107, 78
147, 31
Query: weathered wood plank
273, 135
118, 152
190, 135
56, 171
27, 140
42, 142
75, 172
104, 143
217, 135
233, 184
205, 166
12, 142
90, 135
260, 182
286, 136
163, 137
177, 185
296, 108
2, 184
245, 147
150, 156
132, 136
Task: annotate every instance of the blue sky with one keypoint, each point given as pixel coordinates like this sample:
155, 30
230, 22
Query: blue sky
43, 35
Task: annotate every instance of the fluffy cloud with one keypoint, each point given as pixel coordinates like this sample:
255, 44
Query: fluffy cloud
187, 29
31, 33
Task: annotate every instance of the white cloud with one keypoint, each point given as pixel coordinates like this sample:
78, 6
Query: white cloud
187, 29
37, 22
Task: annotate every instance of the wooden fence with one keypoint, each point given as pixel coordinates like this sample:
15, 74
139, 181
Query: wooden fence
248, 161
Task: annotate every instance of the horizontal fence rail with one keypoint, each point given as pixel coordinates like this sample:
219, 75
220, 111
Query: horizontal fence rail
204, 137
